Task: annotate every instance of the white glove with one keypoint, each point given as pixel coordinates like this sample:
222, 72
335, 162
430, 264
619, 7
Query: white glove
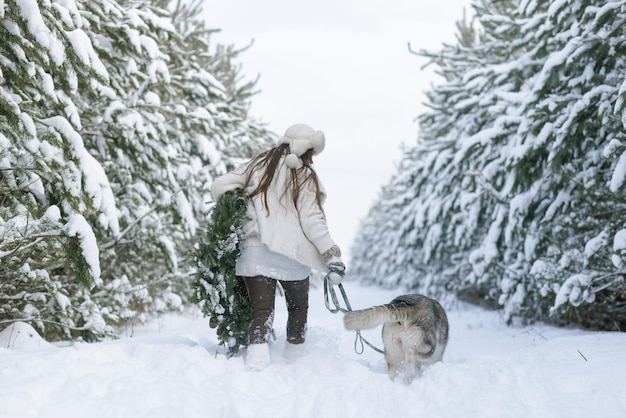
336, 271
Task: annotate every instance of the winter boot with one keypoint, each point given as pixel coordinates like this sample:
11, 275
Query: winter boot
257, 357
293, 352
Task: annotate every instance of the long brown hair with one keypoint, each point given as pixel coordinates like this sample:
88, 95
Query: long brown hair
298, 177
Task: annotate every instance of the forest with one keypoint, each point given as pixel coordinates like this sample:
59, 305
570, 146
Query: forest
513, 195
115, 116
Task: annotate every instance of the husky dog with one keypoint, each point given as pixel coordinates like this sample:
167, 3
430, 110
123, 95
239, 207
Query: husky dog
415, 331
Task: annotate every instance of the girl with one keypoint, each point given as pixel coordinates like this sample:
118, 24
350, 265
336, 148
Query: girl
285, 237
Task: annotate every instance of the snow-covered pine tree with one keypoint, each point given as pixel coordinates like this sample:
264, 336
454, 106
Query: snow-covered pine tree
511, 190
176, 112
115, 117
426, 232
49, 183
579, 133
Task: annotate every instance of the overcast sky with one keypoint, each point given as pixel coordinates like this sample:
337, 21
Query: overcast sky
343, 67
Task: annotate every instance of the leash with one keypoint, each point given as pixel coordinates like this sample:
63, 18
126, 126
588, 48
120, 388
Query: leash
329, 290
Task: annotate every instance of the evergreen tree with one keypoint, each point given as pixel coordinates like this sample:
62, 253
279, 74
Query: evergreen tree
512, 195
115, 116
50, 183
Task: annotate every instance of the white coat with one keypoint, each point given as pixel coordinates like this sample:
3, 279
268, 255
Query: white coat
299, 233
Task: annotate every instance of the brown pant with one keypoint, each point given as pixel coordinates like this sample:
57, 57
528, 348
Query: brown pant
262, 293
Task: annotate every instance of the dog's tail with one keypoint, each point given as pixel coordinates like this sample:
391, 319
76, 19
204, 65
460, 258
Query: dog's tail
367, 318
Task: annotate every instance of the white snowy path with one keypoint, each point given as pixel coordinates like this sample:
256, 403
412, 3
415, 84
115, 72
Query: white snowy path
175, 369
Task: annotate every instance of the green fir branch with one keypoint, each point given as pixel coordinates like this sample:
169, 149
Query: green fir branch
221, 294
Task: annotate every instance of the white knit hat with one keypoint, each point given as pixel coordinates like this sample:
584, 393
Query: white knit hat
302, 138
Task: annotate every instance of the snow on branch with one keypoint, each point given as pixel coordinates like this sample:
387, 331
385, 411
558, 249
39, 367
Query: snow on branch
77, 226
94, 179
29, 11
619, 174
575, 291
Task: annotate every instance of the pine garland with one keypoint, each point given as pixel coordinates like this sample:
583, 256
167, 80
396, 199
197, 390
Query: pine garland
221, 294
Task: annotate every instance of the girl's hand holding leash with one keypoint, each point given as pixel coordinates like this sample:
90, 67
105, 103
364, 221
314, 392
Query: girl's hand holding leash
336, 271
336, 267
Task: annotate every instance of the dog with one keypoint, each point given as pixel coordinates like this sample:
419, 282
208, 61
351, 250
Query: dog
415, 331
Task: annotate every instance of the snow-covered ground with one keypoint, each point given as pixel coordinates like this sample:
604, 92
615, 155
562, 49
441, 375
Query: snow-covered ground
174, 368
